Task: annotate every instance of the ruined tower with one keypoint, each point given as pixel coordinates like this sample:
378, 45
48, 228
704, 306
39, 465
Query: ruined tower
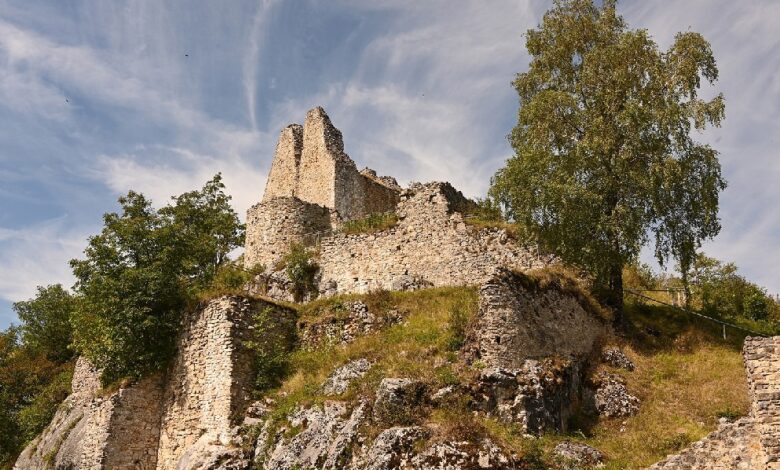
312, 187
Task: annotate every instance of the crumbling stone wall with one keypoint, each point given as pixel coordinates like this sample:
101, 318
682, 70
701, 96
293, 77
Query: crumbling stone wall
310, 164
273, 225
211, 380
515, 323
123, 428
94, 431
430, 246
762, 361
283, 177
752, 442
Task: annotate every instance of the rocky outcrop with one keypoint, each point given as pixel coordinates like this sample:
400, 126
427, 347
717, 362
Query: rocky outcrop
540, 396
611, 398
340, 379
577, 456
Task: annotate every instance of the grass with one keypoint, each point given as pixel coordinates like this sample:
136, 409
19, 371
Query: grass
686, 376
372, 223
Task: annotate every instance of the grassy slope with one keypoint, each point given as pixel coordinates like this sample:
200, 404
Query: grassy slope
686, 376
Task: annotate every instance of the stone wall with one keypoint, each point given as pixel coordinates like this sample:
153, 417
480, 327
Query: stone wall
752, 442
123, 428
515, 323
212, 377
273, 225
430, 246
762, 360
95, 431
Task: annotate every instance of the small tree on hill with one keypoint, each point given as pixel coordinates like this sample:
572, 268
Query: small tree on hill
603, 152
140, 273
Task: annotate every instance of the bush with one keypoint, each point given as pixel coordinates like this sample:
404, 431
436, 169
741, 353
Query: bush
301, 269
271, 346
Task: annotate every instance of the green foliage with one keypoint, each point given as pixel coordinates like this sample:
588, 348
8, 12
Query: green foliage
46, 324
375, 222
270, 353
32, 385
301, 269
140, 272
230, 278
719, 291
603, 152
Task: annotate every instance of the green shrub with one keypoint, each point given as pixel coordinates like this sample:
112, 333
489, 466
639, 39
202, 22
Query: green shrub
271, 346
301, 269
375, 222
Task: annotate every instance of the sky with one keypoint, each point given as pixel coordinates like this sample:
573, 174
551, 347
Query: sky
97, 98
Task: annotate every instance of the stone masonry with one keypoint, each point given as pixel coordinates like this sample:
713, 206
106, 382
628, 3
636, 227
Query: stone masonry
179, 421
94, 431
211, 379
313, 187
750, 443
515, 323
430, 246
310, 164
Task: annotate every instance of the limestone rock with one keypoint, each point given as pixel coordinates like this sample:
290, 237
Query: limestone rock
326, 434
391, 449
540, 396
342, 377
612, 398
397, 400
460, 455
576, 456
616, 358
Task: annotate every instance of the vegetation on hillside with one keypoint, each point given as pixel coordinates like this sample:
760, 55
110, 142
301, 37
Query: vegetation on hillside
687, 376
603, 151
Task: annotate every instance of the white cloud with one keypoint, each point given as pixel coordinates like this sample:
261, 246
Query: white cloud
37, 255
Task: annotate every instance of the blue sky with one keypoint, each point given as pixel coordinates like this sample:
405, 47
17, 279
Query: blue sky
97, 98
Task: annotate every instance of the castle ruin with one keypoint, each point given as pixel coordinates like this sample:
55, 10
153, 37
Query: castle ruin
314, 187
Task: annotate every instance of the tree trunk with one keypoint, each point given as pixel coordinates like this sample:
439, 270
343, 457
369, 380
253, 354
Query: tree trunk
615, 295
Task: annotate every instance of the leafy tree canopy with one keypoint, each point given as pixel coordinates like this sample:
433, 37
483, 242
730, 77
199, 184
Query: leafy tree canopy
603, 151
46, 324
141, 271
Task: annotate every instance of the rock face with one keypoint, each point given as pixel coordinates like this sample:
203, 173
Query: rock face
750, 442
314, 186
340, 379
539, 397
